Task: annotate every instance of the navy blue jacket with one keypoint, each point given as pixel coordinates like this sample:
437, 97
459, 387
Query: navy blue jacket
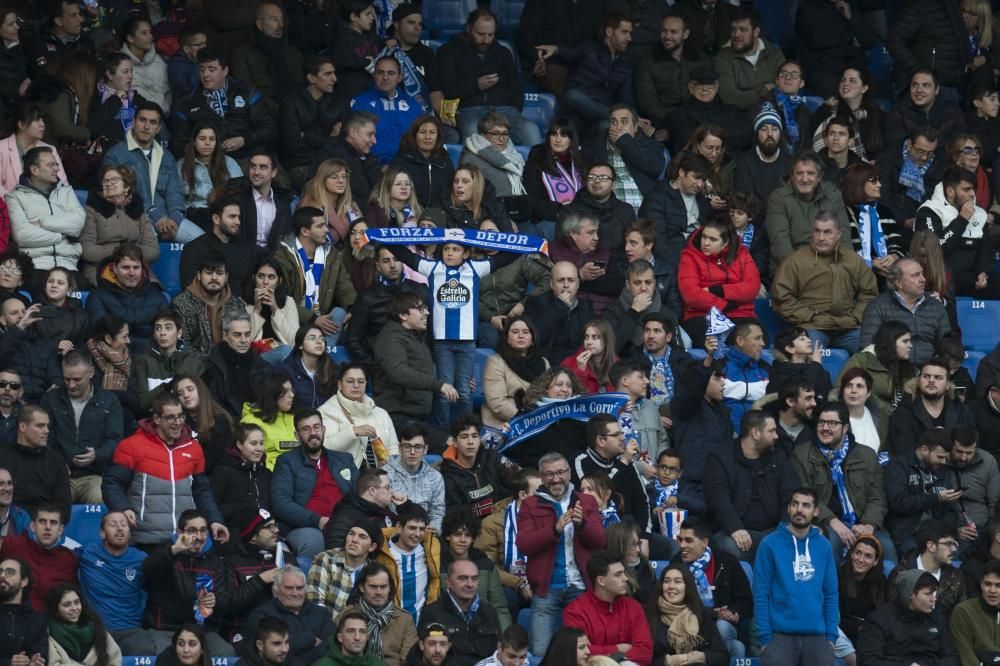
293, 480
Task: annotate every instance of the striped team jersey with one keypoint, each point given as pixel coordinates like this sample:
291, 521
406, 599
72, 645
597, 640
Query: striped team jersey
455, 296
412, 568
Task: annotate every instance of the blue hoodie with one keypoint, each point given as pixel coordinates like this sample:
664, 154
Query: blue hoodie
113, 585
785, 603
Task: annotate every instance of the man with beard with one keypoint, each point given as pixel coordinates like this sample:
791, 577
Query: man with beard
762, 169
370, 311
747, 484
748, 65
268, 62
315, 275
270, 644
391, 630
847, 479
13, 519
556, 520
703, 107
222, 238
51, 562
824, 287
662, 75
265, 206
11, 391
205, 302
125, 288
909, 175
307, 484
801, 633
111, 579
189, 573
309, 118
162, 459
928, 407
792, 208
232, 367
309, 625
918, 487
25, 632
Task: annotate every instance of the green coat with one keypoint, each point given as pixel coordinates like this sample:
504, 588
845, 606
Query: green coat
863, 476
335, 286
334, 657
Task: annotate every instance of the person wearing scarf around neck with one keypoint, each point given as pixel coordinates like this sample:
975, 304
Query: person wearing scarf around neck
683, 630
517, 363
76, 633
113, 107
391, 632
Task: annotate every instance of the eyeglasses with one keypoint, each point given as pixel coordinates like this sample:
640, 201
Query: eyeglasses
970, 150
672, 469
599, 178
13, 386
412, 447
555, 474
832, 424
791, 76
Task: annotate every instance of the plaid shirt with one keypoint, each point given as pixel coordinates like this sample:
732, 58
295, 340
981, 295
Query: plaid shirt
330, 581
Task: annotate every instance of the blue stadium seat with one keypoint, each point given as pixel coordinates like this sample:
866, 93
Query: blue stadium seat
971, 362
139, 660
482, 353
979, 321
168, 267
85, 523
777, 20
540, 108
834, 360
454, 152
773, 324
880, 68
813, 102
748, 570
442, 17
509, 17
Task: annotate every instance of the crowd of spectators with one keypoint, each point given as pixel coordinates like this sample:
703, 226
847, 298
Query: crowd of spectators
582, 420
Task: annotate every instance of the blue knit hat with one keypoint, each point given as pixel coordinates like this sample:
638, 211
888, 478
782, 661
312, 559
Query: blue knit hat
767, 116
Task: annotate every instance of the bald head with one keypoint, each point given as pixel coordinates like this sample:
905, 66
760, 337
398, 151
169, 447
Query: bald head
565, 281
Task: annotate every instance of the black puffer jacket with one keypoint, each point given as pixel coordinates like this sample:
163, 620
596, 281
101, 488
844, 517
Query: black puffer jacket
35, 358
480, 487
305, 126
369, 314
929, 33
240, 488
22, 631
136, 306
431, 176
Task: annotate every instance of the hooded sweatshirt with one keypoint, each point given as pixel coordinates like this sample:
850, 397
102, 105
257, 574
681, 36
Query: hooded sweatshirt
795, 586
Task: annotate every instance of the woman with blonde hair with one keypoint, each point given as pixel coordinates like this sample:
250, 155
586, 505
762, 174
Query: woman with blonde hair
330, 191
393, 201
466, 203
593, 360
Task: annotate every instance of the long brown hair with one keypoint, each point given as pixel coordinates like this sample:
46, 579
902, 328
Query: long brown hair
217, 169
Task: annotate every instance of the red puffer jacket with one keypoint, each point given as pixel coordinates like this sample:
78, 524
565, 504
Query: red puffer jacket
735, 278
